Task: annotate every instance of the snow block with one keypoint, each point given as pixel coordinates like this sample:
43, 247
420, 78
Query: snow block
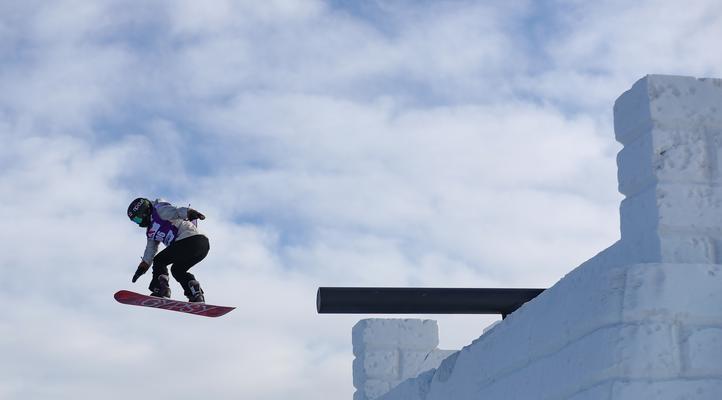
674, 292
643, 318
390, 350
670, 169
667, 102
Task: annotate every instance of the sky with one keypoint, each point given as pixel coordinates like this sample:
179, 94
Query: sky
329, 143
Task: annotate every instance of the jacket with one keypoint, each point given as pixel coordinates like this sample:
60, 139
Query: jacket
168, 224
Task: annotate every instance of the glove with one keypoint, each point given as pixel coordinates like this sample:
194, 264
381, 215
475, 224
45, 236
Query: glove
142, 268
193, 214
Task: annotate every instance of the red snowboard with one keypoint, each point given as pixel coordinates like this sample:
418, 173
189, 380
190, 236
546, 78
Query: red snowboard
137, 299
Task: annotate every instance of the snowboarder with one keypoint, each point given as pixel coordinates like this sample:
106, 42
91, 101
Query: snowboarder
185, 246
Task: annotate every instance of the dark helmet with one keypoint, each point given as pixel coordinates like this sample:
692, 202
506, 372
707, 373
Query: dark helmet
139, 211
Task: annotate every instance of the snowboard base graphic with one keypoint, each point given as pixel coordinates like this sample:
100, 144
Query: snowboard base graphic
137, 299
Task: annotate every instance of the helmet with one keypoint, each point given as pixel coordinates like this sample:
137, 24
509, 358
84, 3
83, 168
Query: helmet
139, 211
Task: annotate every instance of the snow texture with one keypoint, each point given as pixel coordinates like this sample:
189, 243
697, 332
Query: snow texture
389, 351
642, 319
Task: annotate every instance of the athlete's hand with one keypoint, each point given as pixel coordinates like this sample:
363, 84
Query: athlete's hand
142, 268
193, 214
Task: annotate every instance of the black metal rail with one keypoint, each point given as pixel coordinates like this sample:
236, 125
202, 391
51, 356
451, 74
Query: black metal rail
386, 300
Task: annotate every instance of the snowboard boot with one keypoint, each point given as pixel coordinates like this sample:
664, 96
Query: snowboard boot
195, 293
163, 287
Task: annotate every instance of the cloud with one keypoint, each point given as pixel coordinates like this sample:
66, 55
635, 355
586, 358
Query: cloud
413, 176
382, 143
595, 50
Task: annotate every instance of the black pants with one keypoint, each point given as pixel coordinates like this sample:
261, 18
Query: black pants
183, 254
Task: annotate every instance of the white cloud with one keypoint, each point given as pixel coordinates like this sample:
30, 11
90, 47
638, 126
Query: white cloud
600, 47
413, 143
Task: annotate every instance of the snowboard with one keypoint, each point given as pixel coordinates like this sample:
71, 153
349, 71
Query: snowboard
137, 299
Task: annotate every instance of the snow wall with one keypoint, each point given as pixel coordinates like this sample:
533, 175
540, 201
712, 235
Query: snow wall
389, 351
640, 320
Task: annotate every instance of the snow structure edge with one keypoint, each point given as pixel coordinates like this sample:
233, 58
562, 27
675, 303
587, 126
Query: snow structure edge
643, 318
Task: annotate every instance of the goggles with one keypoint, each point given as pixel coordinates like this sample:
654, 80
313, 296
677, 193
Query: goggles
137, 220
